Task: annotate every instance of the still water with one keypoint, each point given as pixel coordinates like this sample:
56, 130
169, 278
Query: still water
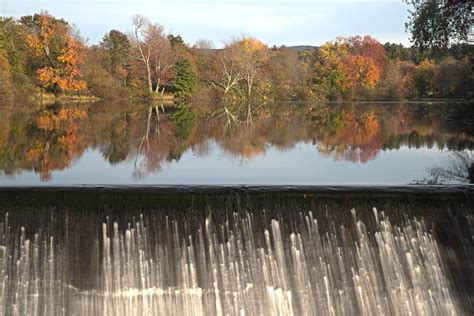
276, 144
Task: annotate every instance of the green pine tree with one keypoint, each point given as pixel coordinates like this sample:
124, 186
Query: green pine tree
184, 81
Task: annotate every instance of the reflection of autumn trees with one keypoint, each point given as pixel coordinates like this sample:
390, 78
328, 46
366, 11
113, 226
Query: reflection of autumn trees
149, 138
42, 142
164, 138
57, 141
4, 126
117, 148
350, 136
153, 148
242, 141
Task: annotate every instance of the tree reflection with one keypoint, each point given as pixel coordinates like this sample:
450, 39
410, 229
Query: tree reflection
116, 149
151, 150
460, 169
148, 138
165, 138
350, 136
57, 142
184, 119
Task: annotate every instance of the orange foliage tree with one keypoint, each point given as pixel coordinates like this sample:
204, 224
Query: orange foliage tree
367, 72
368, 47
365, 62
63, 54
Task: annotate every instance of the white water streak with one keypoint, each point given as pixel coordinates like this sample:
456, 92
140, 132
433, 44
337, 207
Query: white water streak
252, 271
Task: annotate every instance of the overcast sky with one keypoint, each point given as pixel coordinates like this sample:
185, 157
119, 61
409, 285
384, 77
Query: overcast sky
300, 22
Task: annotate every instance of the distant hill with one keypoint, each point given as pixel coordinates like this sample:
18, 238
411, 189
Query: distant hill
299, 48
302, 47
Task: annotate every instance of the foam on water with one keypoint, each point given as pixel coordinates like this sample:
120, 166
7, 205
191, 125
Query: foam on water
235, 267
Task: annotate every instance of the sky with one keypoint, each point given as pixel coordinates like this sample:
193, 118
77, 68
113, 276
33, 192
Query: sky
278, 22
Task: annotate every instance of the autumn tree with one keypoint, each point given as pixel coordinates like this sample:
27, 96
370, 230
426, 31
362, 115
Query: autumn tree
154, 52
366, 71
164, 59
367, 46
203, 44
51, 39
13, 42
239, 63
117, 46
408, 89
288, 72
6, 88
252, 59
389, 86
453, 78
66, 73
21, 61
330, 73
366, 61
226, 72
349, 65
423, 78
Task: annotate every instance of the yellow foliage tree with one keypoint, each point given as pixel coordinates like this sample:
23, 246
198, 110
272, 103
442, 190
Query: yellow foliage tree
367, 72
254, 55
331, 73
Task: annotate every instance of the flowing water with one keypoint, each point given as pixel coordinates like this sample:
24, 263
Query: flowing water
321, 257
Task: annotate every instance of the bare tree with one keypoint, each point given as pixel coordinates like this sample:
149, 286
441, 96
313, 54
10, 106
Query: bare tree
163, 56
204, 44
239, 62
460, 169
229, 72
141, 25
154, 51
253, 55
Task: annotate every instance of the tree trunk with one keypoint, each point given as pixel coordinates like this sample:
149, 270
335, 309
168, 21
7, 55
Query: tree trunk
150, 84
157, 88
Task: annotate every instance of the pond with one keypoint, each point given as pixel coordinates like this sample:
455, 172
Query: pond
288, 247
276, 144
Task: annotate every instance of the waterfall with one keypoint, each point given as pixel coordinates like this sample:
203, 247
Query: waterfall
250, 262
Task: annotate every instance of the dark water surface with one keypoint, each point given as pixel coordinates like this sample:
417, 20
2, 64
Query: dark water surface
237, 251
275, 144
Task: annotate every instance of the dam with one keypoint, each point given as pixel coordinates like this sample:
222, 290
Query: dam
237, 251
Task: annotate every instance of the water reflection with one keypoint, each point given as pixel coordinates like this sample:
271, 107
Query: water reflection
458, 169
52, 138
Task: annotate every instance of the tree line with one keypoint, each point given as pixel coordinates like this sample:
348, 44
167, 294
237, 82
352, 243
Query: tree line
42, 54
